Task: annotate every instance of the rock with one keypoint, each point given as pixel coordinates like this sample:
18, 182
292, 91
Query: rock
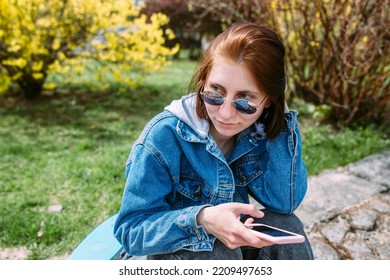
330, 193
56, 208
356, 246
375, 168
379, 203
322, 250
335, 231
379, 243
362, 218
14, 253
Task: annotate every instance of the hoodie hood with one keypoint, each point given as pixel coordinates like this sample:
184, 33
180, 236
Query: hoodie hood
185, 109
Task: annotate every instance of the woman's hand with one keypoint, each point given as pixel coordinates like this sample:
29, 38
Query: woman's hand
223, 221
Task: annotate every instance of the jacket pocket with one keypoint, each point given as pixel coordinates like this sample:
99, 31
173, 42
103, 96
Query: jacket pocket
191, 192
246, 170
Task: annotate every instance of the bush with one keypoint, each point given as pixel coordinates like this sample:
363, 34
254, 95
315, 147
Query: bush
338, 55
39, 37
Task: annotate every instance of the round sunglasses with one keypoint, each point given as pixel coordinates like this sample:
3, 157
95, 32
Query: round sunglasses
243, 106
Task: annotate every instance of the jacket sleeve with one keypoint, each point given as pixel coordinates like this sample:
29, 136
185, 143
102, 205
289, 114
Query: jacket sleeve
146, 223
285, 179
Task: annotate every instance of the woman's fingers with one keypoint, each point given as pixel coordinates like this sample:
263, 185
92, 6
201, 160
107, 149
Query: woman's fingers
223, 221
248, 209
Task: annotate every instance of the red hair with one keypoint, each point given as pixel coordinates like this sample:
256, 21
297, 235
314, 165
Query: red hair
262, 52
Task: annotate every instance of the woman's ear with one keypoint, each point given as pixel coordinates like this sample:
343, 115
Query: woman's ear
267, 103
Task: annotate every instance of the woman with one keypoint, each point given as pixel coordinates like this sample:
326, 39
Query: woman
190, 173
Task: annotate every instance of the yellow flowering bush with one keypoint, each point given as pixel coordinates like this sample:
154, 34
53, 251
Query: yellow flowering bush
38, 37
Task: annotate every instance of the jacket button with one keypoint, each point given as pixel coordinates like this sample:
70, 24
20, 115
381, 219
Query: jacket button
198, 193
197, 232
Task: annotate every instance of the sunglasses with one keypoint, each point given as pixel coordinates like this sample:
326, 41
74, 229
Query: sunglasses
242, 106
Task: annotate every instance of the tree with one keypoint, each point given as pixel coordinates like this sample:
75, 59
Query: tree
184, 21
226, 12
195, 20
40, 36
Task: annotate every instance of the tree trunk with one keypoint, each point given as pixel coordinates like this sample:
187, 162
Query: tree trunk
31, 88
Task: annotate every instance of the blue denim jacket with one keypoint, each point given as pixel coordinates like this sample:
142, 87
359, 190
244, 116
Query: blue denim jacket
175, 169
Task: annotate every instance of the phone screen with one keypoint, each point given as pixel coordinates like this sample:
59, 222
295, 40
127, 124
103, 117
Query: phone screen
271, 231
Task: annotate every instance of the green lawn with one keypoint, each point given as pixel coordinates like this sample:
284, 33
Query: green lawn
70, 150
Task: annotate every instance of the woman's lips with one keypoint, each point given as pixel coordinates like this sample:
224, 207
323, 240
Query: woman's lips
225, 123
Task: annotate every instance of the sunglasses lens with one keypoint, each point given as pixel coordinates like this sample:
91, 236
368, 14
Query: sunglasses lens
215, 99
212, 98
243, 106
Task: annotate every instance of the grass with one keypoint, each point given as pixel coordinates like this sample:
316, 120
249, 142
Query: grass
325, 148
70, 150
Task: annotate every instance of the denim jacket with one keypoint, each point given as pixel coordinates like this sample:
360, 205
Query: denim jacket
175, 169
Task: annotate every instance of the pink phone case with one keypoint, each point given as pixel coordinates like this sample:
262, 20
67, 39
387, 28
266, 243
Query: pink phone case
285, 237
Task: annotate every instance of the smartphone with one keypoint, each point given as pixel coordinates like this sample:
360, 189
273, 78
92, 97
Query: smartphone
276, 235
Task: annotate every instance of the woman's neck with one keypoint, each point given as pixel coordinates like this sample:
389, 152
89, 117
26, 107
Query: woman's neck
224, 143
227, 145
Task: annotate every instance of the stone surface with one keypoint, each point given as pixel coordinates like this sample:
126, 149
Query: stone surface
332, 191
346, 211
14, 253
55, 208
362, 218
357, 248
323, 251
374, 168
335, 231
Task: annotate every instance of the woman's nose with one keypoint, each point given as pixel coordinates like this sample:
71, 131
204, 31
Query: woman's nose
227, 109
